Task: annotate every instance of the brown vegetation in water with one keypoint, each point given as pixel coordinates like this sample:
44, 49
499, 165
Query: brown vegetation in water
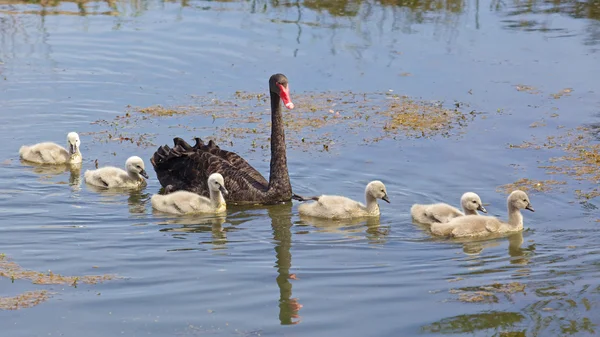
120, 129
319, 122
29, 299
14, 271
563, 92
580, 162
530, 185
25, 300
159, 110
416, 118
487, 294
527, 88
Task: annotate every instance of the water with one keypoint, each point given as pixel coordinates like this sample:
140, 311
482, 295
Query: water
263, 271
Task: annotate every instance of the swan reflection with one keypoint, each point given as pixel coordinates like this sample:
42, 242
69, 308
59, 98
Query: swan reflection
355, 229
49, 172
281, 223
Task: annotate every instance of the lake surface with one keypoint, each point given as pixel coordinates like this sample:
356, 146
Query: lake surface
263, 271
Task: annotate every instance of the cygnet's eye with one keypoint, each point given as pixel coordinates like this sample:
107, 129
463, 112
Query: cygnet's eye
474, 201
524, 200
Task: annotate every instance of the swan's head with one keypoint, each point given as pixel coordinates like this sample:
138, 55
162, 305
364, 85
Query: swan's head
73, 141
135, 165
278, 84
217, 183
472, 202
377, 190
519, 200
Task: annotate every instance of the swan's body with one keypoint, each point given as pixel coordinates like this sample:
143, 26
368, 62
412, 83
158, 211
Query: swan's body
188, 167
184, 202
53, 154
114, 177
339, 207
442, 212
478, 225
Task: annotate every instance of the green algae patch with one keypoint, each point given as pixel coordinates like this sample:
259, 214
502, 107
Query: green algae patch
530, 185
25, 300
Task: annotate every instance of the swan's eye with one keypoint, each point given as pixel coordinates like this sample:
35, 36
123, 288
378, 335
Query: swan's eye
474, 201
524, 200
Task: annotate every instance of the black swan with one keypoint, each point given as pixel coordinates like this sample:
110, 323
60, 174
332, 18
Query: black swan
186, 167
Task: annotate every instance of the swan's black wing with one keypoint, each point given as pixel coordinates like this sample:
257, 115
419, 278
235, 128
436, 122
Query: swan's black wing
187, 169
232, 158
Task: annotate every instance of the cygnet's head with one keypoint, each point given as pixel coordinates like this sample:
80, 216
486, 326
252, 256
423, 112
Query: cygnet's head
472, 202
73, 141
377, 189
135, 164
217, 183
519, 200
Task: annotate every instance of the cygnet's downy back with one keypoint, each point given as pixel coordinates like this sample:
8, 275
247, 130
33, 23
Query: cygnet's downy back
53, 154
339, 207
442, 212
185, 202
477, 226
114, 177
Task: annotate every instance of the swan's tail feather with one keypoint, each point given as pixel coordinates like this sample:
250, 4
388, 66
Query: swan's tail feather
199, 143
182, 143
301, 198
212, 144
160, 155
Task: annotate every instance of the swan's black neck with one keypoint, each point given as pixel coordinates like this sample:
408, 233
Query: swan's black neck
279, 180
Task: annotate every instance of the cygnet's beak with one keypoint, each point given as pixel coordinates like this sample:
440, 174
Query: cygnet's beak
144, 174
223, 190
529, 207
72, 148
386, 199
481, 208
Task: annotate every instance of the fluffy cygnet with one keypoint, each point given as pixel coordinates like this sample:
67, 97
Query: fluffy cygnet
51, 153
184, 202
442, 212
338, 207
114, 177
478, 225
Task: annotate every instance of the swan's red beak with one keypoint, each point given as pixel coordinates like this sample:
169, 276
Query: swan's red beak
284, 93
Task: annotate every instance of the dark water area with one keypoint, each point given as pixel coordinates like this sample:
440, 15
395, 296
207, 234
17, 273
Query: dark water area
520, 72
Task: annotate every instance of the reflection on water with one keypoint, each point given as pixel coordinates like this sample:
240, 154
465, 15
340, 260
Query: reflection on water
137, 198
281, 223
402, 14
476, 322
181, 226
70, 63
349, 228
48, 172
